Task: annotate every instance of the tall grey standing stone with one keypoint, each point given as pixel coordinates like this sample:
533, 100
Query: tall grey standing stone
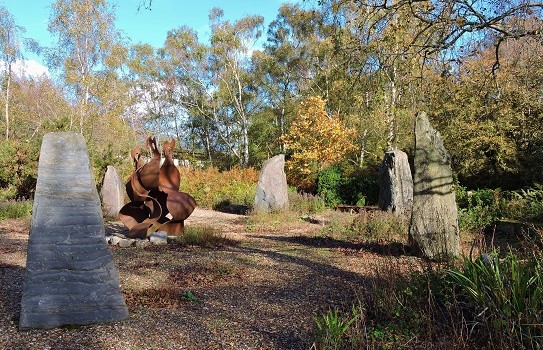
272, 189
396, 184
70, 275
112, 193
433, 230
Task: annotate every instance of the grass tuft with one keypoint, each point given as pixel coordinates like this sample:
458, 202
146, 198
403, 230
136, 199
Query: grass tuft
203, 236
15, 209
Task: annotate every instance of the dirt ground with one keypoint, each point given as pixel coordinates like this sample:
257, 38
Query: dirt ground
260, 290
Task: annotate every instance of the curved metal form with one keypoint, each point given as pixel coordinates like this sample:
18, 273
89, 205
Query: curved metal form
156, 203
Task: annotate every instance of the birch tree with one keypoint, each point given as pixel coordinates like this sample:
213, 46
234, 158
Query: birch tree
10, 51
85, 35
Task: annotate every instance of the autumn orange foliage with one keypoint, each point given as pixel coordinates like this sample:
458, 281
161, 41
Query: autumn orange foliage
315, 140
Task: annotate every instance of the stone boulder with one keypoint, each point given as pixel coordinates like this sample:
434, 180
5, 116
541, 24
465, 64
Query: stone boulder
433, 231
272, 189
396, 184
159, 238
70, 275
112, 193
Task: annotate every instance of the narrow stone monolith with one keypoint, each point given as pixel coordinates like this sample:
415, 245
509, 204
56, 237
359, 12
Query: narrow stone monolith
396, 184
112, 193
272, 189
70, 275
433, 231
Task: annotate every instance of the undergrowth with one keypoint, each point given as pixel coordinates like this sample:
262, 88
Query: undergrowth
212, 188
15, 209
202, 236
479, 208
486, 302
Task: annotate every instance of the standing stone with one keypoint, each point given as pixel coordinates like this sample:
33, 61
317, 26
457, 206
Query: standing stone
70, 275
112, 193
433, 231
396, 184
272, 189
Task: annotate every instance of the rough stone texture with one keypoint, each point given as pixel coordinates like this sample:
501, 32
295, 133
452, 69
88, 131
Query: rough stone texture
272, 189
396, 184
112, 193
113, 240
142, 243
127, 242
158, 238
70, 275
433, 231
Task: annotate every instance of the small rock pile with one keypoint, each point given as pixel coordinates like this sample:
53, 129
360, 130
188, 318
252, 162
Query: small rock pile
156, 238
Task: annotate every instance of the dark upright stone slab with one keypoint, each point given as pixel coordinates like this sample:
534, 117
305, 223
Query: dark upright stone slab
70, 275
433, 230
396, 184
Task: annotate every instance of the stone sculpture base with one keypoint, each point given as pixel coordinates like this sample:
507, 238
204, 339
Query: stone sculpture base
70, 275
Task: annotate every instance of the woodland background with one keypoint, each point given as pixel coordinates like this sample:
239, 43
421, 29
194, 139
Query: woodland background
335, 85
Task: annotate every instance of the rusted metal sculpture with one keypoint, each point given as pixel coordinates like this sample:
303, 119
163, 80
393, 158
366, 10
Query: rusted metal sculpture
156, 203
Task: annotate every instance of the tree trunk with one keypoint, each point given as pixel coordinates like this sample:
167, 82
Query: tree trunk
245, 144
282, 129
7, 100
363, 140
208, 146
391, 111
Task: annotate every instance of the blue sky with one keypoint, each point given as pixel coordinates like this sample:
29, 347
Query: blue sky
145, 26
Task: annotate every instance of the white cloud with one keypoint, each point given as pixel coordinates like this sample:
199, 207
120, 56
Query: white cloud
27, 68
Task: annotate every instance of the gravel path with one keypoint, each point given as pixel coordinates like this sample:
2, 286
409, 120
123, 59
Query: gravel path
260, 293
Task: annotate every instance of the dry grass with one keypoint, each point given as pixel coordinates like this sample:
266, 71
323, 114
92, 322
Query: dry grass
263, 292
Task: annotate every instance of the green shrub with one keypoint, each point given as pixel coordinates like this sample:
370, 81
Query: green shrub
15, 209
305, 203
524, 204
329, 183
18, 169
332, 328
360, 187
212, 188
336, 186
504, 296
479, 208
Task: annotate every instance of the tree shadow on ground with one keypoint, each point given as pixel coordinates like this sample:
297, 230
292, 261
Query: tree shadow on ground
275, 310
388, 248
227, 207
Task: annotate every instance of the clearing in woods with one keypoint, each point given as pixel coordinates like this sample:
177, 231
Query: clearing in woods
261, 289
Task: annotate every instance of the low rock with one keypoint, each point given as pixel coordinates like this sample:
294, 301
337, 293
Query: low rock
142, 243
113, 240
127, 242
158, 238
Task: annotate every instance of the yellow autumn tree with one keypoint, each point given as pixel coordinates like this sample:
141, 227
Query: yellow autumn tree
315, 140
